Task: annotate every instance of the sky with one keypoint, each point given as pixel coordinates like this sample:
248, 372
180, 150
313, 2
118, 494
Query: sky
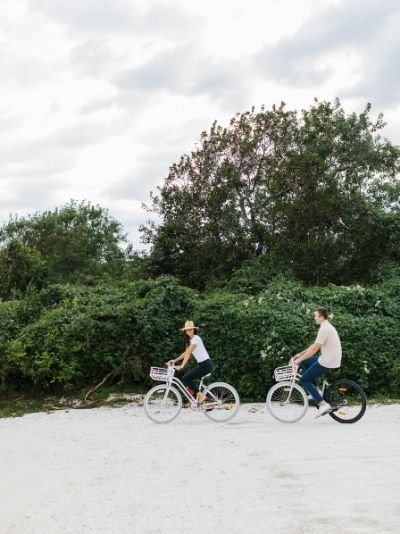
98, 98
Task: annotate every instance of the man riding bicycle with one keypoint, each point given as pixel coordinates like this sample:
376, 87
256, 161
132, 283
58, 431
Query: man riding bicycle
328, 342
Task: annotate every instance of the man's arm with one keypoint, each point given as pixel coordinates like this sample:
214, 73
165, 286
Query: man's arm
312, 349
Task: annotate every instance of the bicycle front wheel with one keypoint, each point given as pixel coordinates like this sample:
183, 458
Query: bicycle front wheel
347, 399
162, 403
287, 402
222, 402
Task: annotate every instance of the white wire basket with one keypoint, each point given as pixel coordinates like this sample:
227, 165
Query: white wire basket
288, 372
162, 374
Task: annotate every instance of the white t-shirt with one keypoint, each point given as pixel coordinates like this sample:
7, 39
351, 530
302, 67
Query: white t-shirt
199, 352
331, 348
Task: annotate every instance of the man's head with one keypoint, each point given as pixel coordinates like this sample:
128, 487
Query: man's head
320, 315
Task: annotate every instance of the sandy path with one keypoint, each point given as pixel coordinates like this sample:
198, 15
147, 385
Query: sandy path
110, 470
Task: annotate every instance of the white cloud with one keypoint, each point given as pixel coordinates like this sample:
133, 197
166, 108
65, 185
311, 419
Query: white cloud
363, 33
113, 17
99, 97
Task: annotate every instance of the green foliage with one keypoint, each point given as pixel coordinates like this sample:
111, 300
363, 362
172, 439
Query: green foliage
255, 274
317, 192
84, 333
67, 337
20, 267
75, 243
249, 335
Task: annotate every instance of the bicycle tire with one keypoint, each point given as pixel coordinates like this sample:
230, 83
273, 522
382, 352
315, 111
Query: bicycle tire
350, 399
154, 408
279, 407
226, 407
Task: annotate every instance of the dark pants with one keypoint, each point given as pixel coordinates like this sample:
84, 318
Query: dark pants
202, 369
312, 369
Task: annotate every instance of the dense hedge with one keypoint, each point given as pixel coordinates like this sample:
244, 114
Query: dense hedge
78, 334
250, 335
67, 337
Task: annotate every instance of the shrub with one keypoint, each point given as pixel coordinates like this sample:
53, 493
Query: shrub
67, 336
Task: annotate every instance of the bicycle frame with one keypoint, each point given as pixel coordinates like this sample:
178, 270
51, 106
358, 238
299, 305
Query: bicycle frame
176, 382
296, 378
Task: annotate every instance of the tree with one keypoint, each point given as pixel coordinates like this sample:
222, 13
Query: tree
75, 242
20, 267
292, 187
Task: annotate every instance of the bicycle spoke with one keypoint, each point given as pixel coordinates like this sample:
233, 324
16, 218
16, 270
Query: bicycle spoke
221, 403
287, 402
162, 404
348, 401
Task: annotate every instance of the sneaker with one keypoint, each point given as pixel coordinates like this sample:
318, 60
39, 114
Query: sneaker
324, 408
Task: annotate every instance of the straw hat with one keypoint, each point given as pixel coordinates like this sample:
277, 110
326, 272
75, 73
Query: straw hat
189, 325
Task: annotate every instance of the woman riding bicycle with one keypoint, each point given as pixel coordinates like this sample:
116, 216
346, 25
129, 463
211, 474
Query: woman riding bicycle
195, 346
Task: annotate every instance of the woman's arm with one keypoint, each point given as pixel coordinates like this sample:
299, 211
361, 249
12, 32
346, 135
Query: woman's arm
178, 359
186, 356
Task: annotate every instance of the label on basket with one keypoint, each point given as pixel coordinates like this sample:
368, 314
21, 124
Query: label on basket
284, 373
161, 373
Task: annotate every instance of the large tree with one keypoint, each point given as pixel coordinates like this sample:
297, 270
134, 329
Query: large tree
71, 243
293, 187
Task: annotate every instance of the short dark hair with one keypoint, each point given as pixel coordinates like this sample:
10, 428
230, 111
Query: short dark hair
323, 312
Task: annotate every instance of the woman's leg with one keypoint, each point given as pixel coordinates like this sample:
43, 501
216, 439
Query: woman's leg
307, 380
197, 373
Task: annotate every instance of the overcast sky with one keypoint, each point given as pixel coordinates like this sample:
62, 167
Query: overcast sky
99, 97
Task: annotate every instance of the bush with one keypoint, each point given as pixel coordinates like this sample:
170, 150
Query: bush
68, 337
249, 335
85, 333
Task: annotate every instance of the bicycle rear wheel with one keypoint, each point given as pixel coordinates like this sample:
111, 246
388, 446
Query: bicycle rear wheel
287, 402
162, 404
222, 402
348, 400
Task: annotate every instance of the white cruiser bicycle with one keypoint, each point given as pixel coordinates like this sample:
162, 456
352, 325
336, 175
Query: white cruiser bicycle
163, 403
287, 401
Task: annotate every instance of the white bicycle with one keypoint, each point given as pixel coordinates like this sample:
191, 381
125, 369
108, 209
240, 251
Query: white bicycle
163, 403
287, 401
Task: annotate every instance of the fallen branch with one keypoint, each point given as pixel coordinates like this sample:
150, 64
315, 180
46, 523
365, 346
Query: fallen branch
91, 390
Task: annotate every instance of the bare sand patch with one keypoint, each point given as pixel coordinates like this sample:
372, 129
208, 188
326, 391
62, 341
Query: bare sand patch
111, 470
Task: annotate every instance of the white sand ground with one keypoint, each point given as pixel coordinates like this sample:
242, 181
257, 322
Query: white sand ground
110, 470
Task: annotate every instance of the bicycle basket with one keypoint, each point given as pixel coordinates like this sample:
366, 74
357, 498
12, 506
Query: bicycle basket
284, 373
162, 374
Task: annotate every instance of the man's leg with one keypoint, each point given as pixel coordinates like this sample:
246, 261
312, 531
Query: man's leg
306, 364
307, 380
